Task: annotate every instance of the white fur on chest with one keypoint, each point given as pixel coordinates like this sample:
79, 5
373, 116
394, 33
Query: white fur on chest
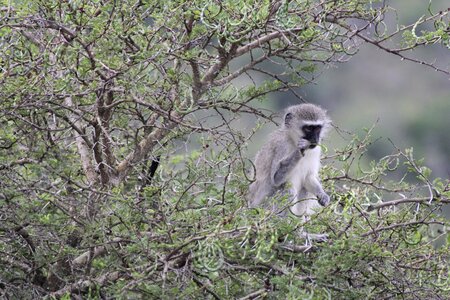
306, 167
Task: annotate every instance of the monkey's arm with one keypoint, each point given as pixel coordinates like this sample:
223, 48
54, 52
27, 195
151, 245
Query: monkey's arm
314, 187
282, 167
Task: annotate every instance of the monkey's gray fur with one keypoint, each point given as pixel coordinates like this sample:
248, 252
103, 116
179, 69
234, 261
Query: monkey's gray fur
290, 161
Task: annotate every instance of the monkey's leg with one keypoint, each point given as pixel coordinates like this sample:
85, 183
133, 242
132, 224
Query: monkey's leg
258, 194
305, 204
305, 207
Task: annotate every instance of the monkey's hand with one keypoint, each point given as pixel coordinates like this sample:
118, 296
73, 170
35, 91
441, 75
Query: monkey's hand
323, 198
303, 144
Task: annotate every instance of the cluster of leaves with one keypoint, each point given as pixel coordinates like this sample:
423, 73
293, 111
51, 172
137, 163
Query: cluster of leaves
103, 196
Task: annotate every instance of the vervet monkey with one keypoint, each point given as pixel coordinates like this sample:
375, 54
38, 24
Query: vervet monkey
290, 161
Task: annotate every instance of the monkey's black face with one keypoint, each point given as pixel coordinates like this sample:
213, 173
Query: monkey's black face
312, 134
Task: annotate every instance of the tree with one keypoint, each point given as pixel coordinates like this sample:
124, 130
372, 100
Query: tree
100, 99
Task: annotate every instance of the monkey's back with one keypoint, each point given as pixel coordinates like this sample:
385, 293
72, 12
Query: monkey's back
278, 145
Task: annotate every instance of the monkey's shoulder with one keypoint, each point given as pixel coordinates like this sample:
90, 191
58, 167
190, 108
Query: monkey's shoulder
278, 141
276, 146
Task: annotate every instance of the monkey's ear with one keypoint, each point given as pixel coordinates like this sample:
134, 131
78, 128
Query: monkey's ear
288, 119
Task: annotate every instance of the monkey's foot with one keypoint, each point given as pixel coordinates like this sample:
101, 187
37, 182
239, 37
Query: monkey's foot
324, 199
310, 237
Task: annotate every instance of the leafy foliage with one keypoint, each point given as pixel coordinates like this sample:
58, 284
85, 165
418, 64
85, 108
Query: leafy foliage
123, 170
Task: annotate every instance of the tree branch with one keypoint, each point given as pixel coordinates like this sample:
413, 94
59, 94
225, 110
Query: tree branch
83, 149
401, 201
82, 285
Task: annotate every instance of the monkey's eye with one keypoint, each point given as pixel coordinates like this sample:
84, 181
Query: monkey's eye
311, 128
